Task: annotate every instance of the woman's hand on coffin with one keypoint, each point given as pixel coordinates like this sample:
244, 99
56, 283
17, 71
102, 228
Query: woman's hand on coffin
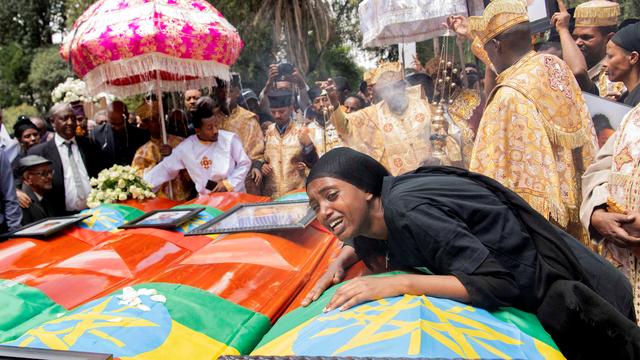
364, 289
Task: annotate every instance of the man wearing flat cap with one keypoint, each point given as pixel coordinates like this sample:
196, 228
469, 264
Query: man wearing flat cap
37, 178
536, 135
289, 151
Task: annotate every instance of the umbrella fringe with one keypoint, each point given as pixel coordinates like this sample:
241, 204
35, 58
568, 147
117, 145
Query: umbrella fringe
103, 77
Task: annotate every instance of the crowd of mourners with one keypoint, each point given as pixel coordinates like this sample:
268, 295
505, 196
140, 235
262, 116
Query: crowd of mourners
537, 206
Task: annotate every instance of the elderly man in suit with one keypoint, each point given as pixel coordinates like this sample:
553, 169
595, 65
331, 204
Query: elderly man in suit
37, 178
74, 160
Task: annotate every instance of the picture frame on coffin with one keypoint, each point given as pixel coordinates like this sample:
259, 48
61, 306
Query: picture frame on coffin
46, 227
260, 217
163, 219
20, 353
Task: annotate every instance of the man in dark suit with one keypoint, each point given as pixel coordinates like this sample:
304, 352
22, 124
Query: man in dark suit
37, 178
74, 160
118, 140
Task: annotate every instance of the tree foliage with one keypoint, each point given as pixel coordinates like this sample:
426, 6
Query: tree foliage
47, 71
315, 35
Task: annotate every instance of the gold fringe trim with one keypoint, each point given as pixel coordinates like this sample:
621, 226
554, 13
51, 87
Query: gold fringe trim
476, 23
615, 207
550, 210
503, 25
585, 11
565, 139
588, 22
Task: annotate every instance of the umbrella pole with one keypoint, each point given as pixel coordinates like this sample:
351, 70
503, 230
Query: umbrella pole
162, 124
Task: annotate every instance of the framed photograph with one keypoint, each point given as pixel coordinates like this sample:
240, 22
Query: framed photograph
612, 110
163, 219
14, 352
48, 226
270, 216
540, 13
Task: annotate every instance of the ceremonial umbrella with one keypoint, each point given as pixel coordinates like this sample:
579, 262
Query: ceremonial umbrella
387, 22
127, 47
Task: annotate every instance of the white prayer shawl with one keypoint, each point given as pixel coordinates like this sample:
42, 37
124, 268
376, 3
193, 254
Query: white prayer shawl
221, 161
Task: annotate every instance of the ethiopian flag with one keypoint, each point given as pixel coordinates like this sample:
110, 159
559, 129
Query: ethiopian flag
408, 326
153, 321
23, 307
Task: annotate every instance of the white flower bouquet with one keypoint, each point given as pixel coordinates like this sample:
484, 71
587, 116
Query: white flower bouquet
118, 183
71, 90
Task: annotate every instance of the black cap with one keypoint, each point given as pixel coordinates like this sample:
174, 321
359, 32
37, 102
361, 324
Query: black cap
280, 98
314, 92
21, 125
30, 161
628, 37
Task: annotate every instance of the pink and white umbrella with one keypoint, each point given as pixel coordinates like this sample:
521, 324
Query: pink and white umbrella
127, 47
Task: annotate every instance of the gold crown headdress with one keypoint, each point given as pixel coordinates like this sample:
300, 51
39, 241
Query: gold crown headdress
597, 13
497, 17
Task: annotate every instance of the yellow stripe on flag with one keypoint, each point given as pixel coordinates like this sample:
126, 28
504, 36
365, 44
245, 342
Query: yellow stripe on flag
184, 343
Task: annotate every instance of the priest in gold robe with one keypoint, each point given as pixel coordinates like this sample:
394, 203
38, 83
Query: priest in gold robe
535, 136
395, 131
289, 151
245, 124
321, 130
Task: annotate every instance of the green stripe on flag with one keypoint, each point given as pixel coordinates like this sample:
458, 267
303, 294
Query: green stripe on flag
108, 217
218, 318
23, 308
526, 322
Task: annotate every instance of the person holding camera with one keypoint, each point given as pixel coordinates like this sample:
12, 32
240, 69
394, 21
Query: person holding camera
285, 76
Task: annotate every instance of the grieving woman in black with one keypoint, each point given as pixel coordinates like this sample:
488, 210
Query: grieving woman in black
468, 238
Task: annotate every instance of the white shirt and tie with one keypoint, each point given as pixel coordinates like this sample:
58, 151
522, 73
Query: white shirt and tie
76, 178
221, 161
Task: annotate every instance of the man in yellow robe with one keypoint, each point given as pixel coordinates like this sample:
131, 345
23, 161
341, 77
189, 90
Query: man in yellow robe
151, 153
289, 151
395, 131
245, 124
321, 130
535, 136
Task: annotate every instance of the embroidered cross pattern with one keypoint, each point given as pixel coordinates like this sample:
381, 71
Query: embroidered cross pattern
558, 79
206, 163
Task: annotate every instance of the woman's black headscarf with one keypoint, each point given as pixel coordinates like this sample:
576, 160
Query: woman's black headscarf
22, 125
356, 168
628, 37
363, 172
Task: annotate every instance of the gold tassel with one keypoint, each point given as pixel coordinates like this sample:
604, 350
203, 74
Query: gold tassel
565, 139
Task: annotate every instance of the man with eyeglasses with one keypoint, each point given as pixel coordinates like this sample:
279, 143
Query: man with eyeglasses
75, 159
37, 180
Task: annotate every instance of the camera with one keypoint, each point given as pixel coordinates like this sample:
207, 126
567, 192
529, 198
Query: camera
285, 69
